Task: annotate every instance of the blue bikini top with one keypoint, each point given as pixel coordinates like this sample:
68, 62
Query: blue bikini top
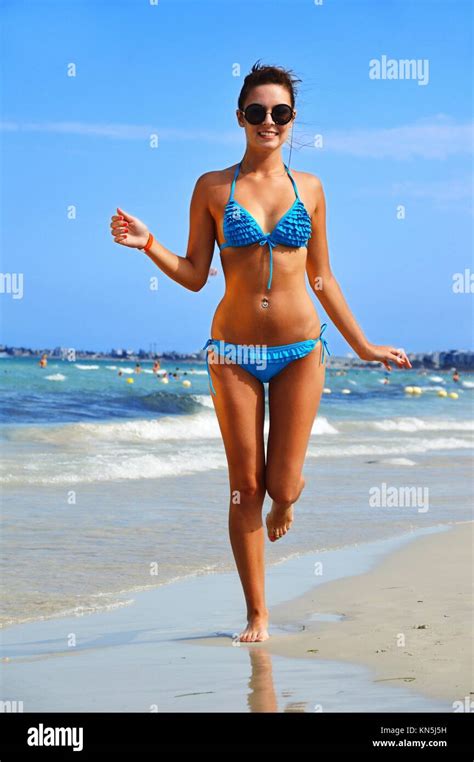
242, 229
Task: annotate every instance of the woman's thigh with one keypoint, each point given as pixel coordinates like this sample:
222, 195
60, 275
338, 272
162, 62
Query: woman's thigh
294, 397
239, 403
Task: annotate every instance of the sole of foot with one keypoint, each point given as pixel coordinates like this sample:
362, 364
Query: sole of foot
278, 521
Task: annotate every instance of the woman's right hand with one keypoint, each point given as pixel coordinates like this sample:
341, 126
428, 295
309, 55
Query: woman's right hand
129, 230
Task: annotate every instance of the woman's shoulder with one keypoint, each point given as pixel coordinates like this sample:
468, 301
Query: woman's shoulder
310, 188
311, 180
216, 176
214, 185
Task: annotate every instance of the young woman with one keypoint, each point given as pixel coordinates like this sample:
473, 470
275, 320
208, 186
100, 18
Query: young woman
266, 327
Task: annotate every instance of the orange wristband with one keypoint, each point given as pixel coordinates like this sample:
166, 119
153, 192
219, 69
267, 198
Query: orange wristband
148, 243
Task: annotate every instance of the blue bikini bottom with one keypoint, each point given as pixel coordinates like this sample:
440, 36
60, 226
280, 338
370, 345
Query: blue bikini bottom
263, 362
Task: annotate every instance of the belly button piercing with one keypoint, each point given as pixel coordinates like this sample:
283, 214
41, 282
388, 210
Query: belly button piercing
265, 303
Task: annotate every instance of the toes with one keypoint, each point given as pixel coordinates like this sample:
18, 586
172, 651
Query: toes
252, 636
271, 532
277, 532
270, 529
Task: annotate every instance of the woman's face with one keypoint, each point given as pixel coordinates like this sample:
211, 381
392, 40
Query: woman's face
269, 96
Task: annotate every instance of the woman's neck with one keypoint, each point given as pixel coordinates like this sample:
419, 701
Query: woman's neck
262, 166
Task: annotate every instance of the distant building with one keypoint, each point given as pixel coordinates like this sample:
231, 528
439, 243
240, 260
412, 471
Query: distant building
463, 359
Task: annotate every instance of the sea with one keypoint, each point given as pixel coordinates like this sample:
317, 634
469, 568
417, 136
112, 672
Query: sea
114, 482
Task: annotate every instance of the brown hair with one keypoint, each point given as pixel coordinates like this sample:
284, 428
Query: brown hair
264, 75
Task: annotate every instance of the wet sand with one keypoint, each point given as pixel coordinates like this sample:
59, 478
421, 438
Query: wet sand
409, 619
173, 648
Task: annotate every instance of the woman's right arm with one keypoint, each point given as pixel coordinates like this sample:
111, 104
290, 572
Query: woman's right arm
191, 271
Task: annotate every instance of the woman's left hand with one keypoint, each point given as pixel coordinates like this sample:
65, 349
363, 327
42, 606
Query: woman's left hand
386, 355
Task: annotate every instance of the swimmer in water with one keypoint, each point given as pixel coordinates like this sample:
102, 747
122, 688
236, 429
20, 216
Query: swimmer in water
138, 368
156, 366
455, 375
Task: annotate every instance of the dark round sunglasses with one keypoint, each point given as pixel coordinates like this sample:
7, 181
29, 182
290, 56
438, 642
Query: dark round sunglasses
255, 113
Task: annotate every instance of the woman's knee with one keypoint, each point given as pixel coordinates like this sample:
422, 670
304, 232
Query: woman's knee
285, 491
247, 490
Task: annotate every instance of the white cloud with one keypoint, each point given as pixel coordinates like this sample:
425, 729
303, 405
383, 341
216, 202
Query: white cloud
437, 137
120, 131
455, 189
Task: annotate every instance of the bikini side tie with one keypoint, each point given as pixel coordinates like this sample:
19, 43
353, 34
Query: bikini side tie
324, 343
207, 344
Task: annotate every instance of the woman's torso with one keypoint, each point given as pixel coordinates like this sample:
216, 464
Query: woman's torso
240, 317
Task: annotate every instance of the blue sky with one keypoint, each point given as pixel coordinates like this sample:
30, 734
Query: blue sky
169, 69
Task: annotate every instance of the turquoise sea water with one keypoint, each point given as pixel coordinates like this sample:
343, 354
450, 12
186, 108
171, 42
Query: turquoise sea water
110, 486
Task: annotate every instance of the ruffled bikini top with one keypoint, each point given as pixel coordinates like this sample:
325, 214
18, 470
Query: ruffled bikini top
242, 229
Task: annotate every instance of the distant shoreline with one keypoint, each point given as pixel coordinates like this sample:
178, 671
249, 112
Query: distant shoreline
430, 361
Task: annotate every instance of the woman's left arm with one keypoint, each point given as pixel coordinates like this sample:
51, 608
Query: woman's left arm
329, 293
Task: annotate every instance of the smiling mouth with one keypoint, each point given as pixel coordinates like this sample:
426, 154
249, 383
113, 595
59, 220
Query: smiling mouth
267, 133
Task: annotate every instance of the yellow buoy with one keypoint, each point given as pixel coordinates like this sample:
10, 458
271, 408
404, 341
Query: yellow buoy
346, 391
409, 389
164, 380
453, 395
130, 380
326, 390
442, 393
416, 390
186, 383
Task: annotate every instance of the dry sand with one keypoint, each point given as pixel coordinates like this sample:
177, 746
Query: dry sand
409, 618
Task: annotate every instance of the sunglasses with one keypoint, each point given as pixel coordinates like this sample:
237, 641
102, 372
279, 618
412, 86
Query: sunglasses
255, 113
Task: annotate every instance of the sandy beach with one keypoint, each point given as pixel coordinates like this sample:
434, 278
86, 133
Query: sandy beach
173, 648
115, 599
409, 619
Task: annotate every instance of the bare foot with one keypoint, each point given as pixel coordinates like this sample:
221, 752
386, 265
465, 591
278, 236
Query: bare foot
256, 629
278, 521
